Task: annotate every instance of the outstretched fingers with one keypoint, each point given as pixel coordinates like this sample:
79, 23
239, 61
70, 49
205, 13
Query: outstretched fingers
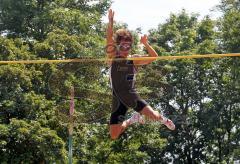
110, 14
144, 39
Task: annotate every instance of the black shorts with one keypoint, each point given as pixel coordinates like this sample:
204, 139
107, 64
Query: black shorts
121, 103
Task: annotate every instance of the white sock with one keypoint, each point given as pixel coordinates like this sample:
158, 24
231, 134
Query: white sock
163, 120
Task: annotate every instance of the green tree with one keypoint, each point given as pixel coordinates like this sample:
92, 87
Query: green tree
35, 19
53, 30
30, 143
177, 34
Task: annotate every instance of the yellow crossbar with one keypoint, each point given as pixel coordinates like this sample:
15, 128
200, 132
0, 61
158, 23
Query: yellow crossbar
129, 58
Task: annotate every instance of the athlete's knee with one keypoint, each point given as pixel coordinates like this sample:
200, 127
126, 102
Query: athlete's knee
140, 105
115, 131
114, 136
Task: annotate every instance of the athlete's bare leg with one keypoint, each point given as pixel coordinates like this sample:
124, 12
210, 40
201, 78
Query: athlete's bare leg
117, 129
156, 116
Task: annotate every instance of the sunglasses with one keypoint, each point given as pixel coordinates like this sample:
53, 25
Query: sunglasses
123, 47
125, 39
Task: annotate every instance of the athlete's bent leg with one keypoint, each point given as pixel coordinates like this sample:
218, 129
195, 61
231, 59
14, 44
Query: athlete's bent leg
117, 129
156, 116
150, 113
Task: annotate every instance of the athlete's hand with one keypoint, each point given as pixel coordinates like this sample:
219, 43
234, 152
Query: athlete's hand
144, 39
110, 15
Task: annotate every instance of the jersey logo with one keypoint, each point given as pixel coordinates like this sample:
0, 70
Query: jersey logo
121, 68
129, 62
130, 77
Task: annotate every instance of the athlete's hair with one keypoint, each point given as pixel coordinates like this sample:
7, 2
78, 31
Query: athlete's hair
123, 34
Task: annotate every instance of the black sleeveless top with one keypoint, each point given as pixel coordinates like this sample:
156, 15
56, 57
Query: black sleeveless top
123, 76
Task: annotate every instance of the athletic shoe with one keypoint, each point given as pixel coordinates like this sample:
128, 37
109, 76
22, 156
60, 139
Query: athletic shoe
168, 123
136, 117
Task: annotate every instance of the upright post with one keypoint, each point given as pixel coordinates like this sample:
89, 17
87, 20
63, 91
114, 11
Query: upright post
71, 122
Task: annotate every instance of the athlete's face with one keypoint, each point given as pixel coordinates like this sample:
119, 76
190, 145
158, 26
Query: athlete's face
125, 46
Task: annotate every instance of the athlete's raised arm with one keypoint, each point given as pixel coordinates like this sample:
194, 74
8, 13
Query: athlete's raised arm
110, 47
150, 50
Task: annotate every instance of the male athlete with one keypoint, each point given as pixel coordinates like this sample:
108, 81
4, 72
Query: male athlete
122, 78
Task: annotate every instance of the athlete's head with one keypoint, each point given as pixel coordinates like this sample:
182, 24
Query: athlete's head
123, 35
123, 39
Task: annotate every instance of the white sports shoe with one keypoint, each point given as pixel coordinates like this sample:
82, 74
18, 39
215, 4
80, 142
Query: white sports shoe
168, 123
136, 117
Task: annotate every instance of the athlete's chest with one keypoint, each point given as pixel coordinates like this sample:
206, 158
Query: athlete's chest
124, 67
